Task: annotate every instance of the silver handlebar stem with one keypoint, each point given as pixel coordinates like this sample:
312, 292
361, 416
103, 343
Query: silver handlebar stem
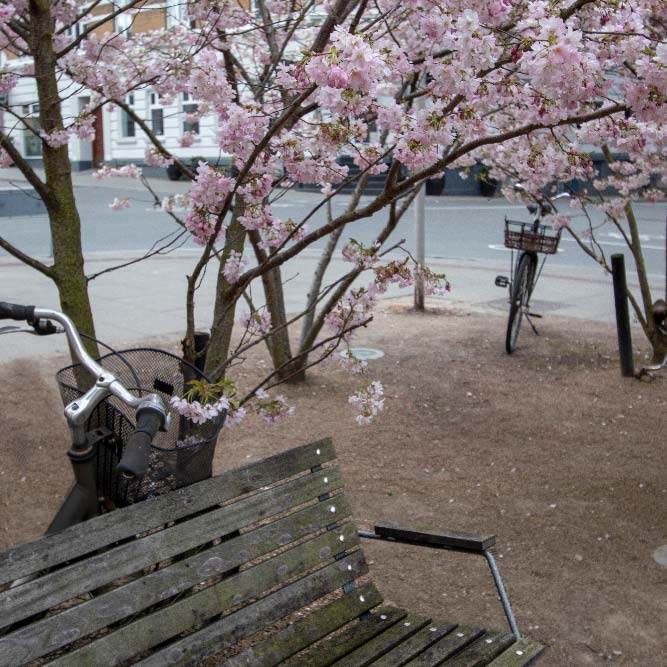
106, 383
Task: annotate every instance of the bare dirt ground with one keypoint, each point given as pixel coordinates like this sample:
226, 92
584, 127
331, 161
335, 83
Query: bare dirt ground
550, 449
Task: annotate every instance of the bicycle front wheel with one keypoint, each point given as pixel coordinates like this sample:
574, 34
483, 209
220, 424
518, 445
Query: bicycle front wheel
521, 289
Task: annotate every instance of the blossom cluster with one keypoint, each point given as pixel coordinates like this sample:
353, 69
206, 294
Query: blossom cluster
126, 171
196, 412
357, 253
257, 322
272, 409
233, 265
368, 401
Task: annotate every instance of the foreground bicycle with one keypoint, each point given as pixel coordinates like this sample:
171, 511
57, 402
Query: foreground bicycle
125, 446
530, 238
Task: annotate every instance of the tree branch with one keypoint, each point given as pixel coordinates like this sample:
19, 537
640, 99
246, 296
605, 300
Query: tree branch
153, 138
27, 259
26, 169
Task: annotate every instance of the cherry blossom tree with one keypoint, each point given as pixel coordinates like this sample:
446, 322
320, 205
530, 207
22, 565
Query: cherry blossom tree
295, 85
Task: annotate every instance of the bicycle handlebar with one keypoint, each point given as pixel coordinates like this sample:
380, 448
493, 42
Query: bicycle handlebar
13, 311
545, 203
150, 410
134, 463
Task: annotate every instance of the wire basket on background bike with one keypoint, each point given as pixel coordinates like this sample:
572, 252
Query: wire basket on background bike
521, 236
179, 456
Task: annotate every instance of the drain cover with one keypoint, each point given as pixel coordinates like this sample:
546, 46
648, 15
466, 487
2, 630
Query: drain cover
660, 555
364, 353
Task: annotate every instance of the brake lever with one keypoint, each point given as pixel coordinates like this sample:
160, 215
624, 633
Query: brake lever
45, 327
13, 328
39, 328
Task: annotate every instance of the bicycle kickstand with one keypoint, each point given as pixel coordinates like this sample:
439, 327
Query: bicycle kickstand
529, 317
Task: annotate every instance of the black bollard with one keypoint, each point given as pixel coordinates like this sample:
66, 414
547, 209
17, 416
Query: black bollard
622, 315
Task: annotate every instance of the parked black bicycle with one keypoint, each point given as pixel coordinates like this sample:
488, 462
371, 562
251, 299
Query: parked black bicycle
529, 239
125, 447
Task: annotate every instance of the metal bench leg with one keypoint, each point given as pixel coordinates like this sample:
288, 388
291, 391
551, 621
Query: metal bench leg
497, 579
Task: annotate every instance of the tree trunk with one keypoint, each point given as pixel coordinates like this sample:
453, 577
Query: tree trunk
225, 302
64, 221
278, 342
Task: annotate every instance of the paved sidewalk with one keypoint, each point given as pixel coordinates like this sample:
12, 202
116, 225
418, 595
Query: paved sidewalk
147, 300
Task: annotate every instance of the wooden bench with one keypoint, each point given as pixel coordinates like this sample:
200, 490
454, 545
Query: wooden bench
258, 566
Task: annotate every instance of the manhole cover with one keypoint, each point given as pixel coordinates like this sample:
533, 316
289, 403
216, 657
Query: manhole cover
660, 555
363, 353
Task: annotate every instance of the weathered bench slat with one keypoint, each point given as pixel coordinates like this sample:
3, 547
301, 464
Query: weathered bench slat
230, 629
308, 630
333, 648
482, 650
385, 642
56, 587
100, 531
182, 615
58, 630
520, 654
460, 636
415, 645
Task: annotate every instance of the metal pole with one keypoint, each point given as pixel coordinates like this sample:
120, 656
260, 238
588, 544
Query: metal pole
497, 580
622, 315
420, 244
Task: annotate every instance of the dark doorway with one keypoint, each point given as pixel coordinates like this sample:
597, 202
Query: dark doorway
98, 141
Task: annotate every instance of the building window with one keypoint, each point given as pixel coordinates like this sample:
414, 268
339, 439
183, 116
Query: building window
190, 107
74, 31
179, 14
127, 128
157, 115
123, 24
32, 141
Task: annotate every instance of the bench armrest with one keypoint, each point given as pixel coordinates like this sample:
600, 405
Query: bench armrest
447, 539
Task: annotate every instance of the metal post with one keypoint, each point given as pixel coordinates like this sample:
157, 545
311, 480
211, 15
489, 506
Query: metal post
622, 315
420, 243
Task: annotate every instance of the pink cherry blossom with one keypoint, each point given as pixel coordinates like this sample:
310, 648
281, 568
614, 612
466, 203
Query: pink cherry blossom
118, 204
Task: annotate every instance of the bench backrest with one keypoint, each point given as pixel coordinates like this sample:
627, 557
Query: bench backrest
177, 578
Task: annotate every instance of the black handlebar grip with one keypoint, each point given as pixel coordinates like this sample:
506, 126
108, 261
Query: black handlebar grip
134, 463
13, 311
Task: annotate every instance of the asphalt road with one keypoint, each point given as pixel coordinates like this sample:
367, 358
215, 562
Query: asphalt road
466, 228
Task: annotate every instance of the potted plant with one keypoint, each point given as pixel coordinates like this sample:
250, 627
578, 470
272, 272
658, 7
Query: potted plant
488, 186
436, 185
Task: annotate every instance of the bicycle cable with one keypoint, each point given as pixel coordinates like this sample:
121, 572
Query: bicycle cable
118, 354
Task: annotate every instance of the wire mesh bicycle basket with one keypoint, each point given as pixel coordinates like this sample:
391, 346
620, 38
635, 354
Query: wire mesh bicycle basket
180, 456
521, 236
